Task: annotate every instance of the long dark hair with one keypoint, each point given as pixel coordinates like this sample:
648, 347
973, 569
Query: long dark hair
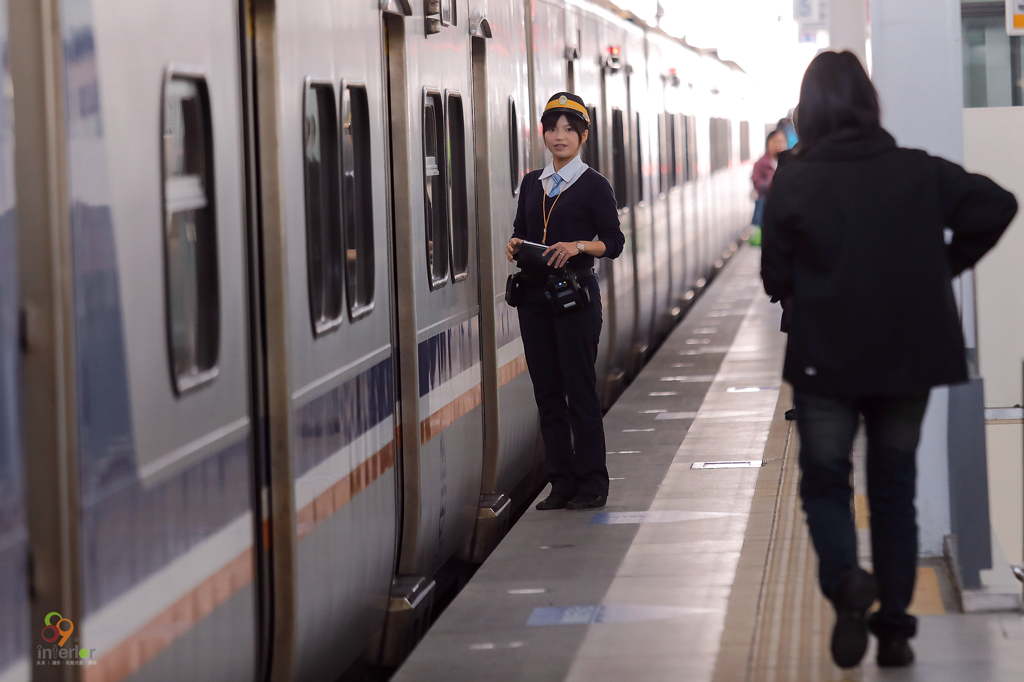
836, 94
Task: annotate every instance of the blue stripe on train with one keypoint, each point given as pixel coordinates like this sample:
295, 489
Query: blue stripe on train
330, 422
449, 353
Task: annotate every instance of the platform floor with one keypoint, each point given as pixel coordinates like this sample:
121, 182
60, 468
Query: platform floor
690, 574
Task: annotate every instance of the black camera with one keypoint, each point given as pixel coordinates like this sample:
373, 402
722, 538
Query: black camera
564, 294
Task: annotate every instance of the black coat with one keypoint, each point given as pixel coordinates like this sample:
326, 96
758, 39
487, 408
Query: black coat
854, 233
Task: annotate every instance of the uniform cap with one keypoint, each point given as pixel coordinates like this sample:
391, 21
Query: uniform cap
568, 103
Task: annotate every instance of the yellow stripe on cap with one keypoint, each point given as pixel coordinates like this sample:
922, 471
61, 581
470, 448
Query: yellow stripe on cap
568, 104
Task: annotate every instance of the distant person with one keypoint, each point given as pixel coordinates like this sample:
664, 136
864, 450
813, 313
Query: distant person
792, 154
854, 232
786, 125
764, 171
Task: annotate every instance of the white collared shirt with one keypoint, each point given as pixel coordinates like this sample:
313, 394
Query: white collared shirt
570, 173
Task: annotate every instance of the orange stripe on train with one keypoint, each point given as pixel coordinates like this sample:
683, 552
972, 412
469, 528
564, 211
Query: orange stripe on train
155, 636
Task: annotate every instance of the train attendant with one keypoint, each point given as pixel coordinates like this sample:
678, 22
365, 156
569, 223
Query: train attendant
570, 208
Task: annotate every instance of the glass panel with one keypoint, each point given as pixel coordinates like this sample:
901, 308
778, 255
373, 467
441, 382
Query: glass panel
324, 261
619, 159
691, 147
357, 193
744, 140
190, 249
459, 197
639, 162
435, 210
673, 152
513, 144
662, 155
592, 150
992, 62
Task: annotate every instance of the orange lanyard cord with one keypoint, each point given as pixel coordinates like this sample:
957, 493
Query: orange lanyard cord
546, 213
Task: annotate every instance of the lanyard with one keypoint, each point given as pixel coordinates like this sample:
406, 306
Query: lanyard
546, 213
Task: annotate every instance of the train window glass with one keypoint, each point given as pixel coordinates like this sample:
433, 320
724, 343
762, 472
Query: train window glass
592, 150
190, 233
713, 136
673, 151
435, 199
690, 123
459, 197
662, 155
513, 144
744, 140
639, 162
679, 148
619, 159
357, 200
324, 261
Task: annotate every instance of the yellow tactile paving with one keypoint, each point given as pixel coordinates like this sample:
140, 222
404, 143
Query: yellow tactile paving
793, 621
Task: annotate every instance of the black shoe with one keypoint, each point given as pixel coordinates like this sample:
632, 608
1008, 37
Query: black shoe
587, 501
791, 415
553, 501
857, 592
894, 652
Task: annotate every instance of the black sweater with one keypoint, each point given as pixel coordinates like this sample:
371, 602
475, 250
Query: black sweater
853, 232
585, 211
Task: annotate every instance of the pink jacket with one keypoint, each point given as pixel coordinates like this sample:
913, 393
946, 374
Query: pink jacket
764, 171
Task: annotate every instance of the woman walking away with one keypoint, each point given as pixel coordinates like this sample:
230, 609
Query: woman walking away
764, 170
854, 232
569, 210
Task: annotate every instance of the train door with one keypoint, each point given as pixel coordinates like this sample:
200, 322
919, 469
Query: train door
15, 662
648, 284
615, 139
331, 360
153, 454
436, 285
501, 132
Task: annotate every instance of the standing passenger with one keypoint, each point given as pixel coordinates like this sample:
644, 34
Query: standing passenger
570, 207
854, 232
764, 170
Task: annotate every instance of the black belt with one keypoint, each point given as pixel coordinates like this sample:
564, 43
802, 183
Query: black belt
532, 281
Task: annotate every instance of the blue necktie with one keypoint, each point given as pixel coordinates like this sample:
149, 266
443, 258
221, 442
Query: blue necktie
556, 183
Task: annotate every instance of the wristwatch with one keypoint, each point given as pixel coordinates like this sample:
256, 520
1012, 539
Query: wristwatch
579, 245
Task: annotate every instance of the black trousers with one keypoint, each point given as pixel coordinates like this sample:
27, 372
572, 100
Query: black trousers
561, 351
827, 426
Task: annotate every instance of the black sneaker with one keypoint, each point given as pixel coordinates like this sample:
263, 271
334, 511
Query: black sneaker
894, 652
553, 501
791, 415
856, 594
587, 501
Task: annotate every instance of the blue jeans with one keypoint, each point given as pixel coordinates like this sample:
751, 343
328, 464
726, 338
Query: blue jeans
827, 426
758, 212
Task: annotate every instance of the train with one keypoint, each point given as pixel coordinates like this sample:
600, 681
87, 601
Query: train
261, 398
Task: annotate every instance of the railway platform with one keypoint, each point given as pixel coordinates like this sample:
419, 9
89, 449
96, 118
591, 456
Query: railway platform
700, 567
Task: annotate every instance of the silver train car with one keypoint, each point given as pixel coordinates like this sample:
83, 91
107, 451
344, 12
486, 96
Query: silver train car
261, 400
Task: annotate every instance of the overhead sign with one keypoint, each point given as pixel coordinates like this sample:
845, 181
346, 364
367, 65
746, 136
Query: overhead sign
811, 15
1015, 17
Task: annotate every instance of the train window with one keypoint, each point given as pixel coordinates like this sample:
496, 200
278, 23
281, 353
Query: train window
513, 145
744, 140
357, 200
459, 197
690, 125
190, 233
679, 148
619, 159
435, 199
324, 251
673, 150
592, 150
662, 155
721, 149
639, 162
